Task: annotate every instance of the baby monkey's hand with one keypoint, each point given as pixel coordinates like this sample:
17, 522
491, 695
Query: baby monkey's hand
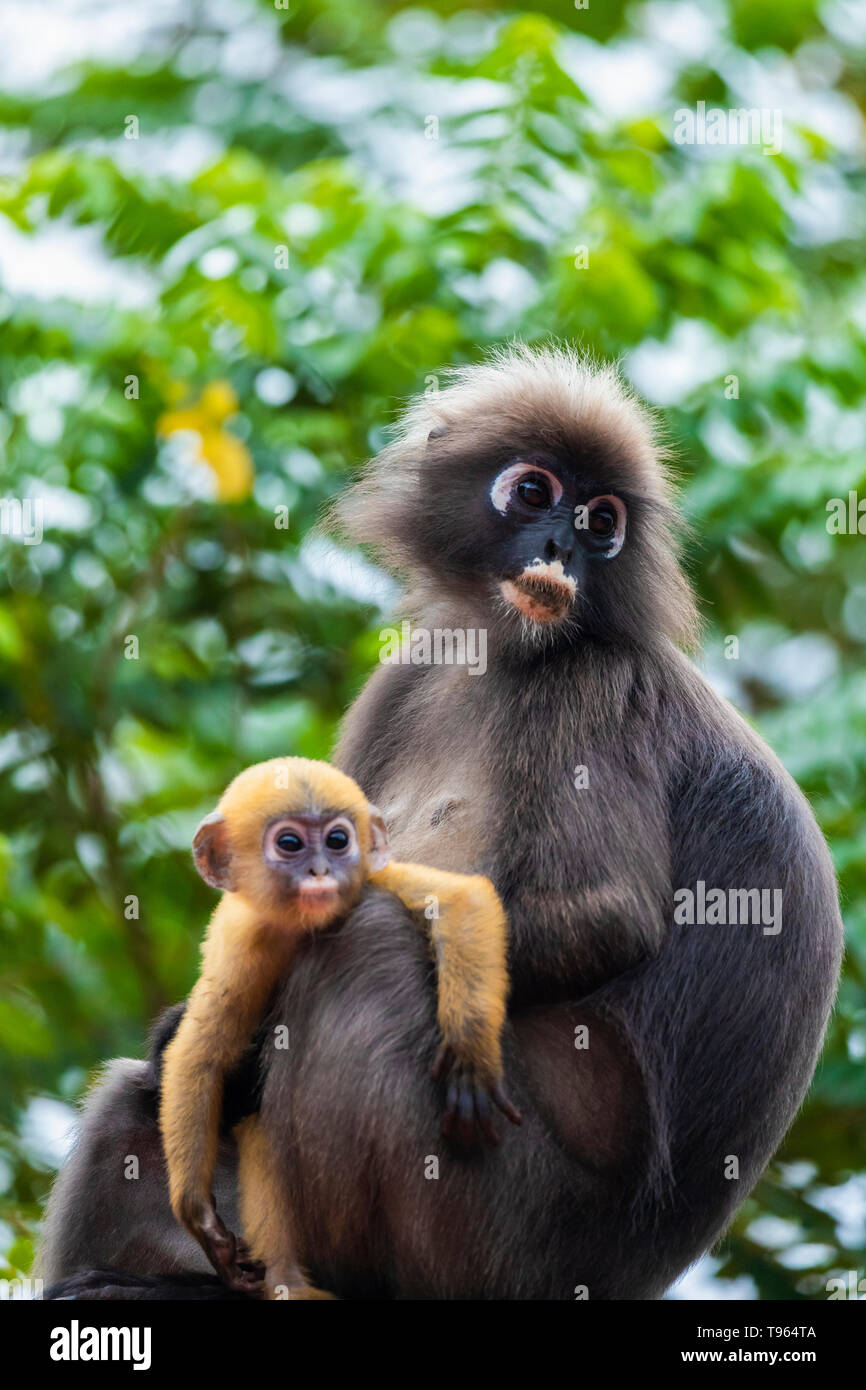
471, 1092
228, 1254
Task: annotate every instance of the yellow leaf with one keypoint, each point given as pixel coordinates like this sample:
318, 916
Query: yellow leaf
229, 459
218, 401
174, 420
231, 463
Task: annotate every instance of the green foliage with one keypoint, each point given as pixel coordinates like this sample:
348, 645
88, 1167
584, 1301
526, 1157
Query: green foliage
440, 181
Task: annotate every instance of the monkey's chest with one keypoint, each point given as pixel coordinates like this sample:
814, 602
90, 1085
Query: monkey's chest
572, 832
441, 824
585, 879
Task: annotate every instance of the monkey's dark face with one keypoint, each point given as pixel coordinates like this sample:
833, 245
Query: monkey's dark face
315, 861
552, 534
547, 544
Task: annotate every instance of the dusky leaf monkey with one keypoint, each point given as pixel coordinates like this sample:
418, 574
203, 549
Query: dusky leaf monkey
293, 846
591, 773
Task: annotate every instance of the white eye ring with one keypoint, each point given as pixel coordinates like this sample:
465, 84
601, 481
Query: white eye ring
503, 487
280, 827
617, 539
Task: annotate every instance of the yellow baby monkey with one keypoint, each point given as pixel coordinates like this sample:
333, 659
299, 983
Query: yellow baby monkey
293, 845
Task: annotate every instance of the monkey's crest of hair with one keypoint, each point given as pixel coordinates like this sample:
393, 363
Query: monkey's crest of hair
552, 398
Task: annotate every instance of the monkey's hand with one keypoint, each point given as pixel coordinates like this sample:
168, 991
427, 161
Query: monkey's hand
229, 1256
471, 1093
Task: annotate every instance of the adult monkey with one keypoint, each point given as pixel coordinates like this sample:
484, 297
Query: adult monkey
657, 1065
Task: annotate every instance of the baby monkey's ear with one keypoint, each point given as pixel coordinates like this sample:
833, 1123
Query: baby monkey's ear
380, 852
212, 854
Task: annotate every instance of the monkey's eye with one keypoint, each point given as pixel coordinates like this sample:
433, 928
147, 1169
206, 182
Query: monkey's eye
532, 487
601, 524
534, 491
337, 839
602, 521
289, 842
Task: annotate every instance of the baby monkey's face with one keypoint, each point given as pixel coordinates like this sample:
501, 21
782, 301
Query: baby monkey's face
316, 861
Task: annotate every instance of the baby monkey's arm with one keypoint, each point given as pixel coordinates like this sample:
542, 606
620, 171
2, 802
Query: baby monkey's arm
240, 967
469, 934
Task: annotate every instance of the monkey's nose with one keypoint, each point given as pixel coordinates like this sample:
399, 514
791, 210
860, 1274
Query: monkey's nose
319, 867
554, 551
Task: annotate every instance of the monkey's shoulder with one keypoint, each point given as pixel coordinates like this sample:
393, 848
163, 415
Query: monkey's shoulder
724, 777
704, 730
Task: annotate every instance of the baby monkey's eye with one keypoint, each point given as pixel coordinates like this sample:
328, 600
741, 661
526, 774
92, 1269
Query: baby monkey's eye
289, 842
337, 838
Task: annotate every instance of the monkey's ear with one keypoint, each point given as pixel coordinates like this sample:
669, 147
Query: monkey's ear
380, 851
212, 854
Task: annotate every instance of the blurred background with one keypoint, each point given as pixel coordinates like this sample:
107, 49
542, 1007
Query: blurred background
233, 236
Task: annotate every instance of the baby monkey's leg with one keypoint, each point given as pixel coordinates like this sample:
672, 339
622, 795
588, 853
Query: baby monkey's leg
266, 1215
469, 934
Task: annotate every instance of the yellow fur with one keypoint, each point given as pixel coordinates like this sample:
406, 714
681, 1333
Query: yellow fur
469, 933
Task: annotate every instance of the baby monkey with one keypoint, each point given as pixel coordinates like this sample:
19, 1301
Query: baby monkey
293, 845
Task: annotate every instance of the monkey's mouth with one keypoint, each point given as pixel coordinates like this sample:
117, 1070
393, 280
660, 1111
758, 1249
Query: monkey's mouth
316, 890
541, 592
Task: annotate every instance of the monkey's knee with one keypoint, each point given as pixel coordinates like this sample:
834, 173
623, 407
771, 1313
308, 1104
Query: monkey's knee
70, 1240
586, 1085
109, 1204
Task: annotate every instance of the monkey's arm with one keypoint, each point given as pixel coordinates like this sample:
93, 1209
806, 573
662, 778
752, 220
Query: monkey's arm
372, 726
239, 970
469, 934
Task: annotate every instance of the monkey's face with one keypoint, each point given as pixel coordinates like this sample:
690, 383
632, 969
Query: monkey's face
297, 839
315, 864
547, 543
552, 534
529, 497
